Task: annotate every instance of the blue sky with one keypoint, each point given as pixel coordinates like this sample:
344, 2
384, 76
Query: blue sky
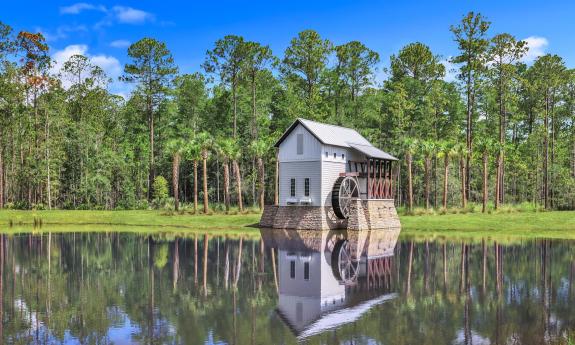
103, 29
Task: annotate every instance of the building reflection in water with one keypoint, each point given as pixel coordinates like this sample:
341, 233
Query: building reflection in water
330, 278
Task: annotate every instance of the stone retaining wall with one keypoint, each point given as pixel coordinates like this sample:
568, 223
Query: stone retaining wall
301, 217
365, 215
373, 214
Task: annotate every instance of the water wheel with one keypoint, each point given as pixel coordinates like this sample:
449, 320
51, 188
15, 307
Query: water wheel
344, 263
344, 190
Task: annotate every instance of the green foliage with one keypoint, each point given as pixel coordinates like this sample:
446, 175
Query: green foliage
67, 142
160, 188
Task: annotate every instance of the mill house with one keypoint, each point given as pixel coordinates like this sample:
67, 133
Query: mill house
331, 177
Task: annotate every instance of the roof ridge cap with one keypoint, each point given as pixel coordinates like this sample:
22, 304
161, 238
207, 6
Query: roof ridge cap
328, 124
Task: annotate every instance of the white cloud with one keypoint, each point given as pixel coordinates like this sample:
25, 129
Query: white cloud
61, 32
537, 46
131, 15
109, 64
61, 56
80, 7
120, 44
116, 14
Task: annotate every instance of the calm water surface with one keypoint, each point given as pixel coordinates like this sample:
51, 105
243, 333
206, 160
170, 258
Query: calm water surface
284, 287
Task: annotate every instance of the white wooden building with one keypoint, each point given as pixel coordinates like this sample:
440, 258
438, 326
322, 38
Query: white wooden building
315, 159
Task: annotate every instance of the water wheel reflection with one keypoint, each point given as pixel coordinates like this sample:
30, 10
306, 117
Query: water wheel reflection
345, 263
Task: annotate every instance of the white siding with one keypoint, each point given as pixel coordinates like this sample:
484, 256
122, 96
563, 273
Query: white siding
288, 148
339, 151
330, 173
300, 171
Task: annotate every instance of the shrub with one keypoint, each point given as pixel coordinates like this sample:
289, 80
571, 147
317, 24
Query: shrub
38, 207
160, 188
142, 205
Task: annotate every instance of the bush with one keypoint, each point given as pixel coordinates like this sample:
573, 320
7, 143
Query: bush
38, 207
142, 205
160, 188
21, 205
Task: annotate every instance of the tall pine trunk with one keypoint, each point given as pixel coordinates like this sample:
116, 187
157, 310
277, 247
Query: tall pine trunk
498, 179
237, 172
261, 175
195, 186
445, 177
175, 179
469, 136
205, 179
485, 191
152, 172
463, 184
546, 154
427, 168
226, 167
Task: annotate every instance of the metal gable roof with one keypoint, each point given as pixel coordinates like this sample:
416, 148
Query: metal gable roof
337, 136
373, 152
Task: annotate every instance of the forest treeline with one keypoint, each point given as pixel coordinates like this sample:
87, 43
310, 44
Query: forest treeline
502, 132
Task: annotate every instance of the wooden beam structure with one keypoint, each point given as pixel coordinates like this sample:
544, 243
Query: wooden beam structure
378, 173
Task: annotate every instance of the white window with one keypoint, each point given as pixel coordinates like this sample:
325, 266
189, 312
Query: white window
334, 155
306, 270
292, 269
343, 156
306, 187
300, 144
292, 187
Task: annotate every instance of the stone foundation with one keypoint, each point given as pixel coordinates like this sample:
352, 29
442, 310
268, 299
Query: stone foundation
301, 218
365, 215
373, 214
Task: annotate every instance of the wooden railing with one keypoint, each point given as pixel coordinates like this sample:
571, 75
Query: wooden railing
379, 177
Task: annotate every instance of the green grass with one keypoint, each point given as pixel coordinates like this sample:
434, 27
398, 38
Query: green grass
146, 220
514, 224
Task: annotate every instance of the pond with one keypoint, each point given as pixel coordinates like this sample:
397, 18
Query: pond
284, 287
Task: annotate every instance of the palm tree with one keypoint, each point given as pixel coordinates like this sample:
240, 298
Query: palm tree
447, 151
461, 151
485, 145
259, 148
499, 189
428, 148
236, 168
175, 147
193, 153
225, 148
206, 143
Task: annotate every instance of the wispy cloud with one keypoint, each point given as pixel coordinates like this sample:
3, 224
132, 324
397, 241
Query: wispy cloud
131, 15
537, 46
120, 44
115, 14
61, 32
80, 7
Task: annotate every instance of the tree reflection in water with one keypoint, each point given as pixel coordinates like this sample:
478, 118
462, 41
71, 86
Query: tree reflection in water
168, 288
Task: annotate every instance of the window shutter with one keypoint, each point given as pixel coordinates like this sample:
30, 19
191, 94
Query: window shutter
300, 144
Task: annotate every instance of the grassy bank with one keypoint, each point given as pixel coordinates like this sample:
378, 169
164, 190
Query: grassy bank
523, 224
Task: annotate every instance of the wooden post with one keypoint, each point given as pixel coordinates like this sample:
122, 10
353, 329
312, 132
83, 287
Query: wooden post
379, 179
368, 181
